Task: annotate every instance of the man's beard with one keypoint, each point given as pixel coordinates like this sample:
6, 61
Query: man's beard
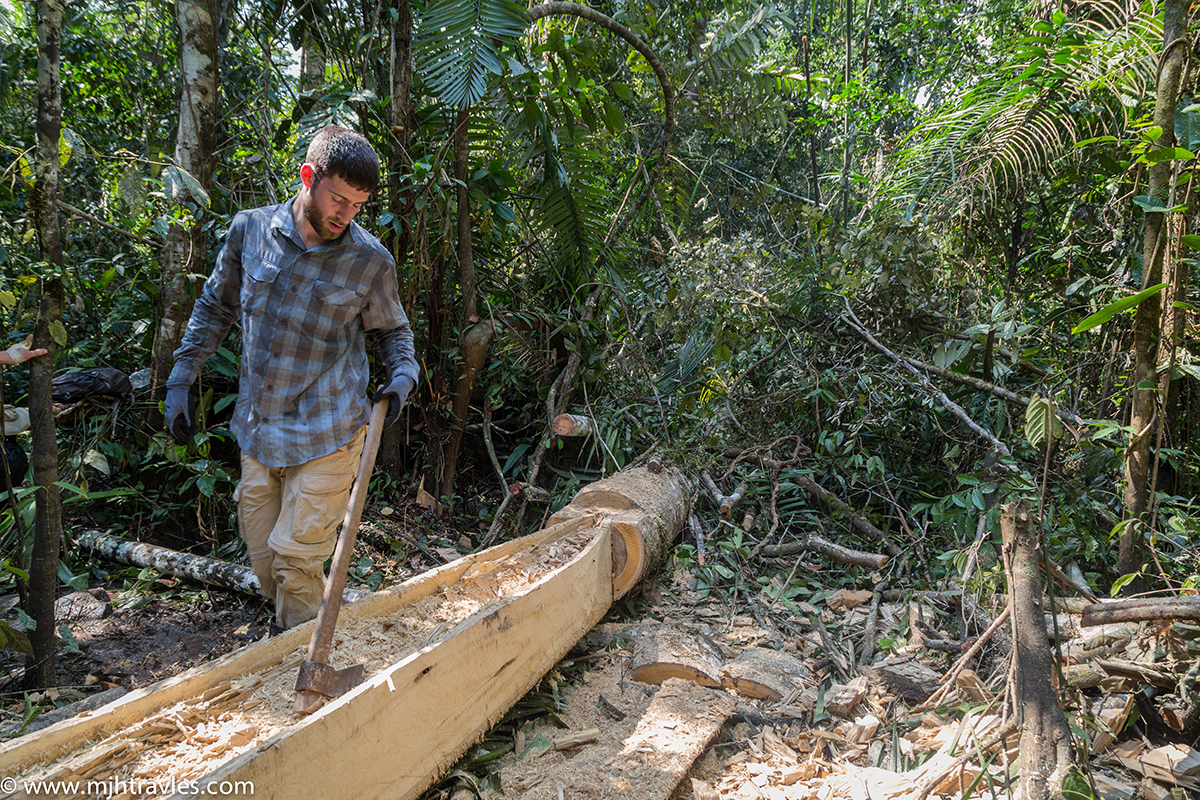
320, 224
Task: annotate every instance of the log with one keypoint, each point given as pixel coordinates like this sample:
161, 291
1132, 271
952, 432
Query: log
662, 652
1047, 754
571, 425
1138, 609
765, 674
396, 732
645, 509
213, 571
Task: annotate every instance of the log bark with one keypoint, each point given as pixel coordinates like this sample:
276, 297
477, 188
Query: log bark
765, 674
646, 510
662, 652
1138, 609
1046, 749
234, 577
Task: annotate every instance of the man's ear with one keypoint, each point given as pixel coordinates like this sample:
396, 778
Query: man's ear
306, 175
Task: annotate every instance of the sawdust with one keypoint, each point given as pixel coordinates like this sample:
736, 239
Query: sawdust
648, 737
191, 738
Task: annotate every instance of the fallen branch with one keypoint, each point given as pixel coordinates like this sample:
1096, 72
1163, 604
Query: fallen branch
989, 388
860, 524
1141, 672
954, 408
1138, 609
725, 503
698, 535
814, 543
235, 577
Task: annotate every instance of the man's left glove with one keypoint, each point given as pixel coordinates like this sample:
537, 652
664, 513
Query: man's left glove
396, 390
179, 415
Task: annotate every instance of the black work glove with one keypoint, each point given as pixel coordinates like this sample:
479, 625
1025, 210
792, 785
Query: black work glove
396, 390
180, 414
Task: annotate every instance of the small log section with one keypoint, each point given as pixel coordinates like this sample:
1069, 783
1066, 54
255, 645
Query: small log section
661, 652
571, 425
765, 674
644, 508
401, 729
1047, 754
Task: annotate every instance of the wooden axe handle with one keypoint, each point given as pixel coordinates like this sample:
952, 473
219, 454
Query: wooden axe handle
331, 603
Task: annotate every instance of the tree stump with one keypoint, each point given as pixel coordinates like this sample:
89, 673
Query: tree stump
1047, 755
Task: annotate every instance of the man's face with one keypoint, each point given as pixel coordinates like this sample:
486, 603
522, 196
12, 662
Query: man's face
331, 204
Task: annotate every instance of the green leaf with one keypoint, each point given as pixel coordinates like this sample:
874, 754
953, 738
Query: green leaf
58, 333
1112, 309
12, 638
1121, 582
27, 622
69, 643
1041, 422
1169, 154
1095, 140
1191, 240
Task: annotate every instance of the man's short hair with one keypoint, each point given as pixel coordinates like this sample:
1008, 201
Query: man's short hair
346, 154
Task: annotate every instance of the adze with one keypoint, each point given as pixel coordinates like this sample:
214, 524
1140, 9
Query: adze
317, 679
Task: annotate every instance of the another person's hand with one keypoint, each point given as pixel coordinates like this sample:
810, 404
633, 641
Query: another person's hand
396, 390
179, 414
20, 353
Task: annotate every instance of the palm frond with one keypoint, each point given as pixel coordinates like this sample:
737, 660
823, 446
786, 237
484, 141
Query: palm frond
457, 45
1078, 80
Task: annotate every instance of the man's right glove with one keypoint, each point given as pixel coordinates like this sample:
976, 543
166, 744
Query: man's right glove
396, 390
179, 415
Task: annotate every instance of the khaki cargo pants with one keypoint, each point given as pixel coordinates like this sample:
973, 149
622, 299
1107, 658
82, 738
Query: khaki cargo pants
288, 517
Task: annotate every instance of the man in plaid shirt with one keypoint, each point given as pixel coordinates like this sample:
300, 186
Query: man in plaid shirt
306, 284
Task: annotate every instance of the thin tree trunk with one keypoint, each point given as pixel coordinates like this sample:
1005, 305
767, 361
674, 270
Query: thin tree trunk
391, 443
185, 251
470, 361
43, 567
1146, 325
1046, 751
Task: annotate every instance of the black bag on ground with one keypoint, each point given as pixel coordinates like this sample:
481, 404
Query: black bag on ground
85, 383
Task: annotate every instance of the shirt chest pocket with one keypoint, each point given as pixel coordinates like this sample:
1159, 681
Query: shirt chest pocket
258, 280
333, 308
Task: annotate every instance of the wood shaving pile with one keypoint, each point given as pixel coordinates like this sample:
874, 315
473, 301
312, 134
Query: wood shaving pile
192, 738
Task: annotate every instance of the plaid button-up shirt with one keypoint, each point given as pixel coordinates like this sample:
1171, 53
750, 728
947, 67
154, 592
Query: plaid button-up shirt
302, 389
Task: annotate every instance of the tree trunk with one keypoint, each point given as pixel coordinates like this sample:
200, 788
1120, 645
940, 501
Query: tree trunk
1046, 752
185, 251
1146, 325
43, 567
400, 195
476, 338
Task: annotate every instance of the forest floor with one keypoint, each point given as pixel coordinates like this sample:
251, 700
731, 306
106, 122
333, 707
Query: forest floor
841, 730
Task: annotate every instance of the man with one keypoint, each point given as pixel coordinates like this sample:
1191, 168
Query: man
305, 283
